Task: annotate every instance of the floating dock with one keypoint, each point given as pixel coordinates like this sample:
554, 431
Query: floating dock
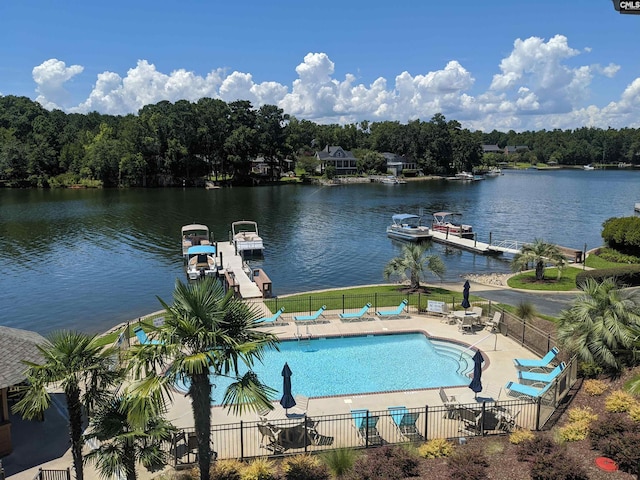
235, 274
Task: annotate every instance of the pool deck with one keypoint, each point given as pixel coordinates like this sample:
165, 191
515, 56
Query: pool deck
498, 350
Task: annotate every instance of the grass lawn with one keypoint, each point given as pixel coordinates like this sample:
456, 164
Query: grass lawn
594, 261
526, 280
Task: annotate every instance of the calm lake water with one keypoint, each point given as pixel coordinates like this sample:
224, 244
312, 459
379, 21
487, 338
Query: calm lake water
89, 259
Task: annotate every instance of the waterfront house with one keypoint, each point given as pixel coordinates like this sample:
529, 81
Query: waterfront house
343, 160
515, 149
397, 163
491, 149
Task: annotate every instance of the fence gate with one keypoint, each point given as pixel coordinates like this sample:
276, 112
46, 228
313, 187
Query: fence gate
52, 475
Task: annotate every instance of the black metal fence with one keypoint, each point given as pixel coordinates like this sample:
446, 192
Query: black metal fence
312, 434
44, 474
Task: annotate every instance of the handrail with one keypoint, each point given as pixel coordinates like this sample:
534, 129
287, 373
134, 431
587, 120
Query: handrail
479, 341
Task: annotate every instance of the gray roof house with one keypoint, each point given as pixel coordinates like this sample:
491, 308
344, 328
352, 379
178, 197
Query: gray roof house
515, 149
16, 346
397, 163
343, 160
491, 149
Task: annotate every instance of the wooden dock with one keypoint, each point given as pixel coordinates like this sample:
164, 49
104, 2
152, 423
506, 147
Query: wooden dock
235, 274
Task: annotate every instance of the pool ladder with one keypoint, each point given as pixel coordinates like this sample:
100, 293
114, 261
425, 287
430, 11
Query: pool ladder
304, 339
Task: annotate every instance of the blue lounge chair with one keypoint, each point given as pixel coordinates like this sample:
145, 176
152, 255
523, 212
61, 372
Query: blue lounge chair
143, 339
536, 377
405, 423
272, 318
356, 316
367, 427
310, 318
393, 313
519, 390
542, 363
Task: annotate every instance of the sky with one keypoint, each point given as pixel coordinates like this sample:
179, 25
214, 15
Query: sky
492, 64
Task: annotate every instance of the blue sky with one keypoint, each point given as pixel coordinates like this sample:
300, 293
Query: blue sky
491, 64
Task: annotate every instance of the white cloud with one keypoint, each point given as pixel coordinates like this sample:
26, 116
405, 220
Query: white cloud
535, 88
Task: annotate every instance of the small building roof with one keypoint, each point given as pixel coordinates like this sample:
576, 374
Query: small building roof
16, 346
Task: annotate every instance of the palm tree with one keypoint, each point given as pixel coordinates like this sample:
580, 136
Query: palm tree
83, 368
206, 334
123, 442
416, 262
539, 253
602, 325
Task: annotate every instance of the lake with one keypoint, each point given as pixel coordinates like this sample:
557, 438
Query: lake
90, 259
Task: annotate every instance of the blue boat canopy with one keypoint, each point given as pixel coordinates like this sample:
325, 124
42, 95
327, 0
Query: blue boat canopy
202, 249
406, 218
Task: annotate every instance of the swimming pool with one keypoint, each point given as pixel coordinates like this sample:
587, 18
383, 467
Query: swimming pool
360, 364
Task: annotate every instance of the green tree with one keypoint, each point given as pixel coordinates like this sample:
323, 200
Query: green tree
124, 442
539, 253
602, 325
412, 265
83, 368
206, 334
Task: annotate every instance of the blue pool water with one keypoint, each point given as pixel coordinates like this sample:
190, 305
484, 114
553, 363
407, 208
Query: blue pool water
362, 364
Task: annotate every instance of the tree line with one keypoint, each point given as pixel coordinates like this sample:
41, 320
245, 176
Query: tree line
183, 143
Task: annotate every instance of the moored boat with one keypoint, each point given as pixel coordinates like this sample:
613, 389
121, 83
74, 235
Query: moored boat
201, 262
194, 234
246, 238
392, 180
588, 167
407, 227
493, 172
443, 222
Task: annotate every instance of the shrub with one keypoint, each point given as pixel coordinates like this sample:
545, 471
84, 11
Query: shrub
617, 437
226, 470
339, 461
259, 469
589, 369
191, 474
304, 467
436, 448
634, 412
539, 446
628, 275
619, 401
520, 435
574, 431
622, 234
557, 466
611, 255
594, 387
468, 463
582, 414
386, 463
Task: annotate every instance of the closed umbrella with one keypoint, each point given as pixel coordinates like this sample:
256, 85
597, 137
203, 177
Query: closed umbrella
476, 383
465, 295
287, 401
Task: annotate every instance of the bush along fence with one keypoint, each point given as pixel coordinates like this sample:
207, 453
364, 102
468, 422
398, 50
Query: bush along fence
368, 428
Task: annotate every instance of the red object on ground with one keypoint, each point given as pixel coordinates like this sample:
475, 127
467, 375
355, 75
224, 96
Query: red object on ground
606, 464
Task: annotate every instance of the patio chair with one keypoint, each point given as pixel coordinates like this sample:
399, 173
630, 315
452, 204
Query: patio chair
366, 426
272, 319
270, 438
494, 323
450, 403
490, 393
310, 318
405, 423
519, 390
396, 312
143, 339
543, 363
465, 324
536, 377
469, 421
362, 314
302, 402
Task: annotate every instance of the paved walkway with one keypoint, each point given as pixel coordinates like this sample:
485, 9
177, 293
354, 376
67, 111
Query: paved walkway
45, 444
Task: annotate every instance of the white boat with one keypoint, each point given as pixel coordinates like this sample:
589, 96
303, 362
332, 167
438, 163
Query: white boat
245, 237
201, 262
194, 234
636, 207
588, 167
442, 222
493, 172
465, 177
407, 227
392, 180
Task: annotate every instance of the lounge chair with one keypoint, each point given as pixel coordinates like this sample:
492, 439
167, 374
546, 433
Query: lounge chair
494, 323
357, 315
272, 318
405, 423
395, 313
519, 390
310, 318
366, 425
544, 362
143, 339
536, 377
270, 438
